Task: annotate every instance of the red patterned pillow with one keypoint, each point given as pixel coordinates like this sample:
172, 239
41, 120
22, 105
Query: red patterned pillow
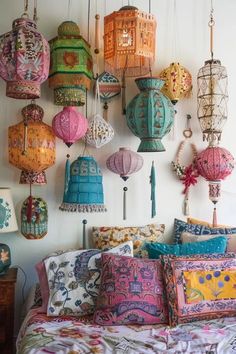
131, 292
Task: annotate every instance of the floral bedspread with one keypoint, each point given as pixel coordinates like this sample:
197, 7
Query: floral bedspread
71, 335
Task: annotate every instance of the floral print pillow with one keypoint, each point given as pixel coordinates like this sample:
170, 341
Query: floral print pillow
111, 236
200, 287
74, 280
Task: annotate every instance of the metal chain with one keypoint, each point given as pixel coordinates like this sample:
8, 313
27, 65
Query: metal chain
211, 24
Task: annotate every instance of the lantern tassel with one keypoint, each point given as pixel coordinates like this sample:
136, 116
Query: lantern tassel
29, 207
186, 211
124, 203
67, 175
84, 233
153, 187
214, 220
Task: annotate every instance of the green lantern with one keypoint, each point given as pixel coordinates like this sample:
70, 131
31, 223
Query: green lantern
150, 114
71, 66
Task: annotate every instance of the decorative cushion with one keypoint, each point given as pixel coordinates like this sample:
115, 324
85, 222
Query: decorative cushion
204, 223
181, 226
216, 245
105, 237
131, 292
200, 287
187, 237
74, 280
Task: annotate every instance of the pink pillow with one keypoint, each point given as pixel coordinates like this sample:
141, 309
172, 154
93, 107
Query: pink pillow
43, 282
131, 292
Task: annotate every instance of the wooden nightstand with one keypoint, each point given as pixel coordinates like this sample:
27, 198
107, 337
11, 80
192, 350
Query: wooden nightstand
7, 304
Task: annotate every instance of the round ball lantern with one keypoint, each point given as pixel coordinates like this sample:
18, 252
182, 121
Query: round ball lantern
31, 145
150, 114
71, 66
69, 125
24, 59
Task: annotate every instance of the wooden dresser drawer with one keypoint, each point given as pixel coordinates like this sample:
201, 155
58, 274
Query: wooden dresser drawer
6, 294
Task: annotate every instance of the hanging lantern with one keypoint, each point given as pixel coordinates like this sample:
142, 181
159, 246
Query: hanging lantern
178, 82
71, 66
124, 162
31, 145
150, 114
24, 59
83, 190
34, 218
69, 125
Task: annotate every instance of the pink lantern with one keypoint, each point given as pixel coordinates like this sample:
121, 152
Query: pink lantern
24, 59
69, 125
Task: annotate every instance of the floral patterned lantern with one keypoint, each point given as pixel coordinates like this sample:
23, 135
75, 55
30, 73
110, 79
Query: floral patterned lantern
31, 145
69, 125
150, 114
24, 59
71, 66
178, 82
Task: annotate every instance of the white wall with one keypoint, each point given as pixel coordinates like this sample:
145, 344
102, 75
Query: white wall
189, 32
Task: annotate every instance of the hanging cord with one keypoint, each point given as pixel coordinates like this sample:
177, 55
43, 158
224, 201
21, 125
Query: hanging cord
211, 24
35, 18
149, 10
69, 10
24, 284
26, 7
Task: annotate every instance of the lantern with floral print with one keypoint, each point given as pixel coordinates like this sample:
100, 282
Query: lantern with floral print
24, 59
32, 145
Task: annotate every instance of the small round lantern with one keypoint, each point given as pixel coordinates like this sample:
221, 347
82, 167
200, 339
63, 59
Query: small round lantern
150, 114
69, 125
24, 59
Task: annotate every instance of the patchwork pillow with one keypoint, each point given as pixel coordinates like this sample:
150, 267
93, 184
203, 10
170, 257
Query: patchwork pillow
181, 226
74, 280
131, 292
204, 223
215, 245
200, 287
187, 237
105, 237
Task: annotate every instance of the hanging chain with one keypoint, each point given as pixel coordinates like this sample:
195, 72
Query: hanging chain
211, 24
35, 18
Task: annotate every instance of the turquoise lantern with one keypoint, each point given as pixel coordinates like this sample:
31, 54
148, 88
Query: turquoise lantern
150, 114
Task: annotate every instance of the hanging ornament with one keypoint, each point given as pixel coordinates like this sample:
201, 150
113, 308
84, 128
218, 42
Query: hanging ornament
178, 82
124, 162
150, 114
69, 125
214, 164
153, 189
212, 94
24, 59
31, 145
83, 191
71, 66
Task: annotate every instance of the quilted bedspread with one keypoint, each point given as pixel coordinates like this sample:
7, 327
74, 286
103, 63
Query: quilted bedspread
73, 335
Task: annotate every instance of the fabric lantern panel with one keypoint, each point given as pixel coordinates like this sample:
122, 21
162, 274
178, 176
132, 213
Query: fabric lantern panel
24, 59
71, 68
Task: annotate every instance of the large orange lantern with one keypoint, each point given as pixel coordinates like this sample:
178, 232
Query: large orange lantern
32, 145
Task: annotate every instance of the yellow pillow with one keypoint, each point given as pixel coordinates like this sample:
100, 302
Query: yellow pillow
204, 223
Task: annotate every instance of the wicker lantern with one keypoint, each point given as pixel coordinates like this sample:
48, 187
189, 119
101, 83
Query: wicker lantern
24, 59
31, 145
69, 125
150, 114
71, 66
178, 82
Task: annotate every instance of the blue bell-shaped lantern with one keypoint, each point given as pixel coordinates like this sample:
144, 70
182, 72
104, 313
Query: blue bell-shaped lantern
83, 186
150, 114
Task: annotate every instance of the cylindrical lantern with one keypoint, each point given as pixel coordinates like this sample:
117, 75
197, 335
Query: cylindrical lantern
212, 99
69, 125
83, 186
31, 145
34, 218
150, 114
71, 69
24, 59
178, 82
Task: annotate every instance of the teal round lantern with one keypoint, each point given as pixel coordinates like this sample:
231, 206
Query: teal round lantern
150, 114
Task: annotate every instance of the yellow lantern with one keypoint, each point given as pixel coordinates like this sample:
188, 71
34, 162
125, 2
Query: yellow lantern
178, 82
31, 145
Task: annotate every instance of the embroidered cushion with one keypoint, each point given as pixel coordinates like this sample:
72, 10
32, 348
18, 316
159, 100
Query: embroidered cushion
74, 280
204, 223
105, 237
200, 287
187, 237
181, 226
131, 292
216, 245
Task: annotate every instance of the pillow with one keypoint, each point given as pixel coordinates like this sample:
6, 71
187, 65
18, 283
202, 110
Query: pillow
181, 226
131, 292
216, 245
204, 223
187, 237
200, 287
105, 237
74, 280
